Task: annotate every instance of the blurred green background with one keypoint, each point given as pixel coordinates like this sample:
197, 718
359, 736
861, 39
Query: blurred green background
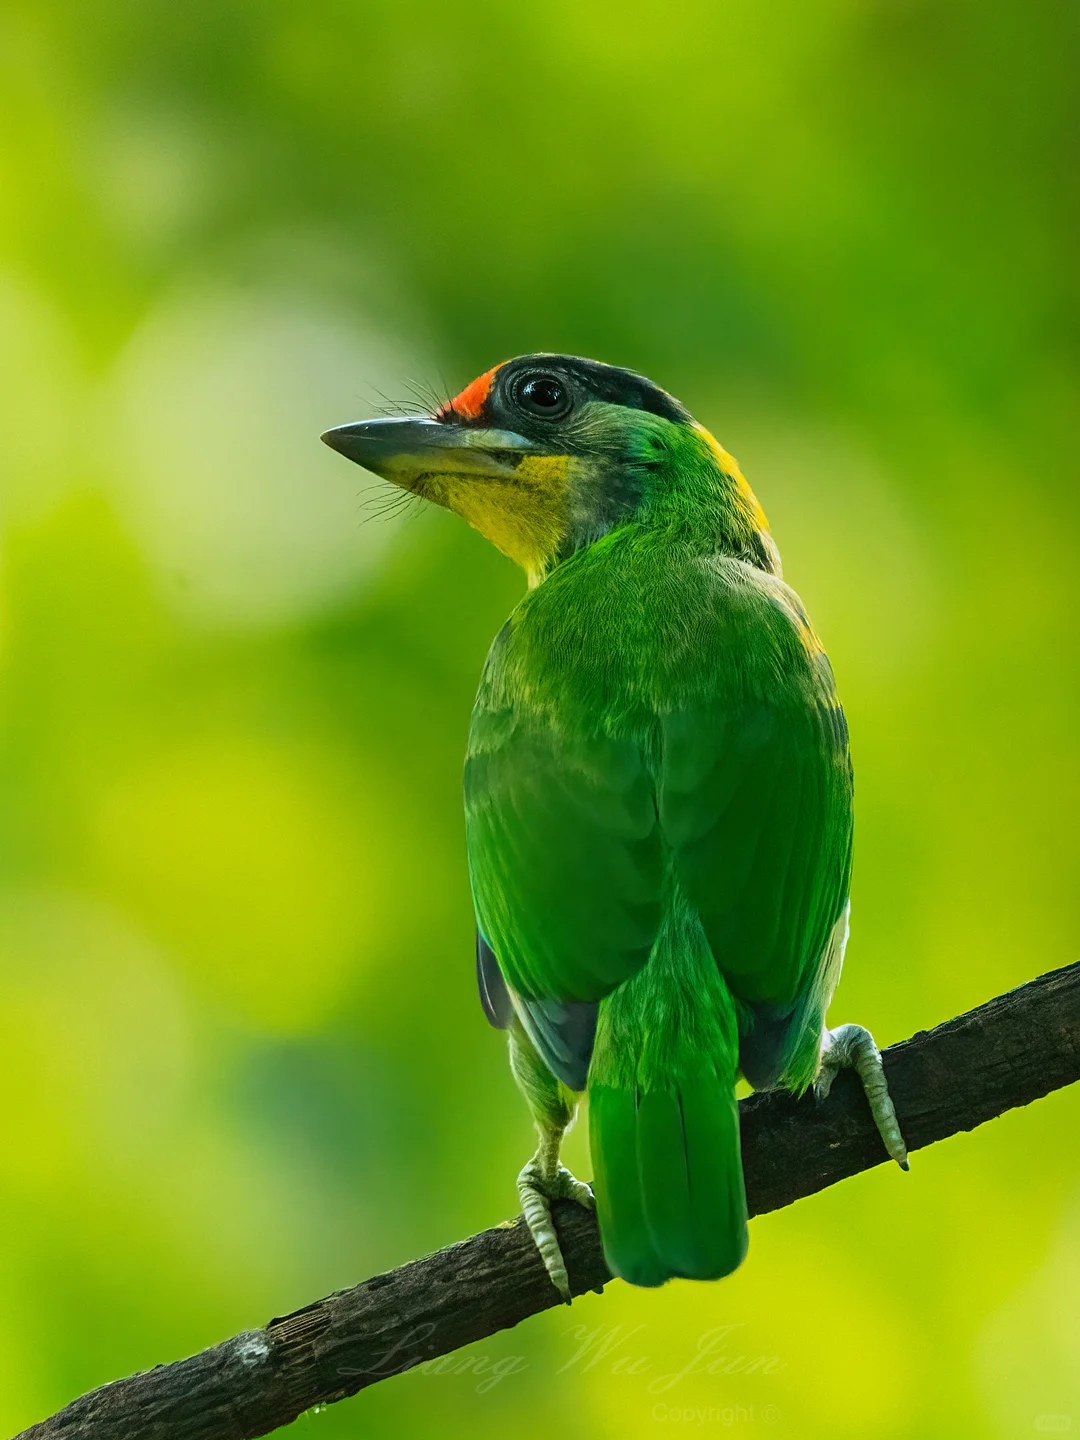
242, 1060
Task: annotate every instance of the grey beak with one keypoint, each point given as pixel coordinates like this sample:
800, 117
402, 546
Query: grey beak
369, 442
392, 447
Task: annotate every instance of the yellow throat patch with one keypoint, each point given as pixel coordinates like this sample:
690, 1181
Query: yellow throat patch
524, 515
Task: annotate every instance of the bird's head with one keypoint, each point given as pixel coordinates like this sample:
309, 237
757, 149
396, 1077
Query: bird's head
547, 453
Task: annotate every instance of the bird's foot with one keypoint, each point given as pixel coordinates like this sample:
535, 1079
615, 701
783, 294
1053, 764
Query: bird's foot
852, 1047
538, 1186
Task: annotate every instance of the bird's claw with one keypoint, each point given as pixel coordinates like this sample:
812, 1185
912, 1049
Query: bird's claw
537, 1190
852, 1047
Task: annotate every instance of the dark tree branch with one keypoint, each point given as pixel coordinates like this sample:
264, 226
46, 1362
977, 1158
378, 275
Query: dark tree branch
1006, 1053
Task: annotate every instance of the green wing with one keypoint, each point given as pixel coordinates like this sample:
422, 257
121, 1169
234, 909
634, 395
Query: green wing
565, 853
756, 802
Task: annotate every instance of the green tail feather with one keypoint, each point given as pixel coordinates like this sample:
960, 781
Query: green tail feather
668, 1181
664, 1123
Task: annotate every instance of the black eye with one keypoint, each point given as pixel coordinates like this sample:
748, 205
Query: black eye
545, 396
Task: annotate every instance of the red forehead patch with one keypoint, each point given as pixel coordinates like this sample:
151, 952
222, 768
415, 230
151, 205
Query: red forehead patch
469, 405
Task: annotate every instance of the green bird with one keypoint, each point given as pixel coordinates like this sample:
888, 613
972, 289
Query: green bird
658, 800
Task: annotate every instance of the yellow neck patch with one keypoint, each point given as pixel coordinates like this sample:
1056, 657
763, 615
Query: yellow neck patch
730, 466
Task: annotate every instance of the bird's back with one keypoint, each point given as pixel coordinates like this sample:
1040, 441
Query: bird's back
659, 821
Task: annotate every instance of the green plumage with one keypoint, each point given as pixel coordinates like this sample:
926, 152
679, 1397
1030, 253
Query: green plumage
658, 800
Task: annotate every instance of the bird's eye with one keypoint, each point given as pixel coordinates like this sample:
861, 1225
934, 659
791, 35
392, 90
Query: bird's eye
545, 396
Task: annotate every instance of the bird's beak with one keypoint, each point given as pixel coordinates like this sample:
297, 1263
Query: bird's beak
405, 451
